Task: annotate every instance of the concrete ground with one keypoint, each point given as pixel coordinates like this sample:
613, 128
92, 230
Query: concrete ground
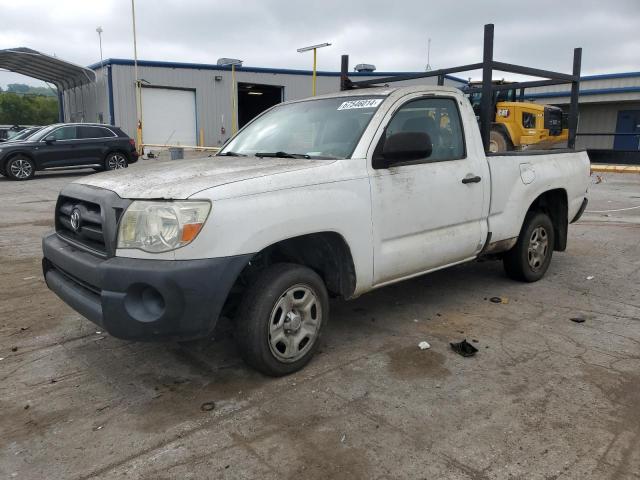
545, 397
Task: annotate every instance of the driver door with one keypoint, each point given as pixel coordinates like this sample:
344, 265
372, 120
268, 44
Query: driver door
58, 149
424, 216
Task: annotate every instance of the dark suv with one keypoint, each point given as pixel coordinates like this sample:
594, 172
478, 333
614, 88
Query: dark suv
102, 147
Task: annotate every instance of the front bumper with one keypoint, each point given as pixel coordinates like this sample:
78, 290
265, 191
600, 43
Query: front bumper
141, 299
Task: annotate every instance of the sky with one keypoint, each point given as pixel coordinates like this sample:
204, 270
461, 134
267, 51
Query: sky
392, 35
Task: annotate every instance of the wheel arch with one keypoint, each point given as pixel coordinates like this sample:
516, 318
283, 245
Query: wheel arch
16, 153
555, 204
116, 150
327, 253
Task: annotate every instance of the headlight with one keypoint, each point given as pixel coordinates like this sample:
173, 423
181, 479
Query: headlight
161, 226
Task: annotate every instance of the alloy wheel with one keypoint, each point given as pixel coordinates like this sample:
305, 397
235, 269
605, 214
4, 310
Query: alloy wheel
116, 162
21, 168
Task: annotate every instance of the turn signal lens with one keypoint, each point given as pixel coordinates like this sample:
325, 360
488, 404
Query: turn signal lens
190, 231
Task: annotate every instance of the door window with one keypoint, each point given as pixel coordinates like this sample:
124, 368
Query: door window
63, 133
439, 118
93, 132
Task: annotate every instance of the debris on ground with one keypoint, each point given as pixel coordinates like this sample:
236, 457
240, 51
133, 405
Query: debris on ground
590, 277
14, 349
207, 406
578, 319
499, 300
424, 345
343, 438
26, 407
464, 348
474, 340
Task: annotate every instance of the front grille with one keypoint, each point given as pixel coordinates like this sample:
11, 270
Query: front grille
553, 120
86, 228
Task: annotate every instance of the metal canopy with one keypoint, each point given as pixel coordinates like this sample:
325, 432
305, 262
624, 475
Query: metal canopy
34, 64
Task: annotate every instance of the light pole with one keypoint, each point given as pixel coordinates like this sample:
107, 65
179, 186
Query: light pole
232, 62
137, 84
104, 73
315, 61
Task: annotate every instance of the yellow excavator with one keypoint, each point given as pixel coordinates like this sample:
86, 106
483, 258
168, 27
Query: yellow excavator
517, 124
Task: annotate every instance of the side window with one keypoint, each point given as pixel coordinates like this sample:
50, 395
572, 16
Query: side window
63, 133
93, 132
440, 118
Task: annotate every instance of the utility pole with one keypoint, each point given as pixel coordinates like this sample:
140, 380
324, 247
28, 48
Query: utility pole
104, 73
137, 80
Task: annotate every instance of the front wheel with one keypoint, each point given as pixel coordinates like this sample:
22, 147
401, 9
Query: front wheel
280, 319
529, 259
497, 142
20, 168
115, 161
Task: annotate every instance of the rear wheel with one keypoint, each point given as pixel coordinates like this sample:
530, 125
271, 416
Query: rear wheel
20, 168
280, 319
115, 161
529, 259
497, 142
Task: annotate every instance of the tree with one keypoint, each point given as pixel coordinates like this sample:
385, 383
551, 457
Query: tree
25, 89
27, 109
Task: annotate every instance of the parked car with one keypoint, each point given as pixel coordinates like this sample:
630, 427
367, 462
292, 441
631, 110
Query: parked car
22, 135
67, 145
8, 131
332, 196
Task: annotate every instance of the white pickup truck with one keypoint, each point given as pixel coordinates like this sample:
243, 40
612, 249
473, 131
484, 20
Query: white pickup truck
331, 196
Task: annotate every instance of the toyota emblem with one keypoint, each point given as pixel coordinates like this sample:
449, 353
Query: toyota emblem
75, 219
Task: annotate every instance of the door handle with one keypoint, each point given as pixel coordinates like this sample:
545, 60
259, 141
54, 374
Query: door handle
470, 179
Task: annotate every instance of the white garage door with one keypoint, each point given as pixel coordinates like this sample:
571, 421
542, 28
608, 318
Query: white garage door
169, 116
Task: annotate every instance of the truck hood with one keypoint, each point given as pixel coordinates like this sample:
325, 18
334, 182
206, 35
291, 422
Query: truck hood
179, 179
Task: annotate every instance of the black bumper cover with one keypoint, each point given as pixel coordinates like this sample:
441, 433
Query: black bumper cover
141, 299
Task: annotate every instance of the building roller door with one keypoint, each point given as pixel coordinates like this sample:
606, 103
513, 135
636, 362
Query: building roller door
169, 116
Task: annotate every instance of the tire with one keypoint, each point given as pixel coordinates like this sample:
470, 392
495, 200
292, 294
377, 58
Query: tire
115, 161
530, 257
497, 142
272, 340
19, 168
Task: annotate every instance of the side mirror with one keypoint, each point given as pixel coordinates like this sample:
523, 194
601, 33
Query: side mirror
49, 140
405, 147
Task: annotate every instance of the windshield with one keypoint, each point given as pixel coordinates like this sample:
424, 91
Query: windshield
324, 128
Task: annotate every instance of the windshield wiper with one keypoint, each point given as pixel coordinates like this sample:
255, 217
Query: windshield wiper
282, 155
231, 154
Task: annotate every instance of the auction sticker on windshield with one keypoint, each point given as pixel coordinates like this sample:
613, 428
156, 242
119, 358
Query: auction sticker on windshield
364, 103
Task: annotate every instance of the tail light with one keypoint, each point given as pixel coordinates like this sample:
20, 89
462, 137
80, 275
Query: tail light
132, 142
